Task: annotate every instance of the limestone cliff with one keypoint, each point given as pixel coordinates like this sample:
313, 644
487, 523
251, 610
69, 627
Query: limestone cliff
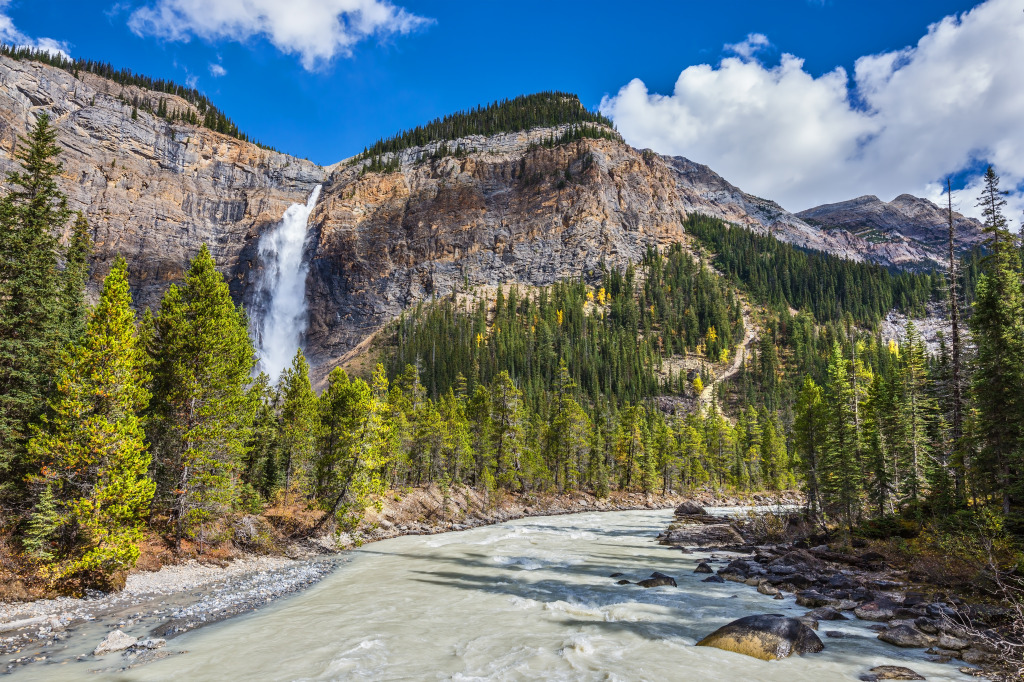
511, 212
508, 208
152, 191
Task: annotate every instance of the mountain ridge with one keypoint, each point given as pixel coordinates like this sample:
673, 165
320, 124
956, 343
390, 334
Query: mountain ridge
519, 206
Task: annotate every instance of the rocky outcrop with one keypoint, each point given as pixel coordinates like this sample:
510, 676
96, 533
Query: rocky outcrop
910, 225
505, 209
513, 211
768, 637
152, 191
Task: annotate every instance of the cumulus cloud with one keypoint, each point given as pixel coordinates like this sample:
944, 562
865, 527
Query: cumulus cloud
315, 30
217, 70
901, 123
11, 35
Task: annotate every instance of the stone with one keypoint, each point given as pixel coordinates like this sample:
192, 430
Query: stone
765, 588
767, 637
705, 536
826, 613
115, 641
623, 582
659, 581
977, 656
894, 672
879, 610
702, 567
812, 599
947, 641
149, 644
809, 622
616, 575
688, 507
713, 579
836, 634
907, 637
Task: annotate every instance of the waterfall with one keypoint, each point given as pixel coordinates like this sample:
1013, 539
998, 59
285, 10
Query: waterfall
281, 292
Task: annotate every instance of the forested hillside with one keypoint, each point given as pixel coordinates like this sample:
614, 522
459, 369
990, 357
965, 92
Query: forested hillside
116, 425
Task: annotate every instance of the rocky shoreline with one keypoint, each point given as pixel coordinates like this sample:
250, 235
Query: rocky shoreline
154, 607
837, 584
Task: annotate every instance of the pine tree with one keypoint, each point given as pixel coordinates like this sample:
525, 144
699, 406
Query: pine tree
74, 279
91, 450
915, 416
201, 417
509, 422
299, 423
809, 434
32, 333
352, 458
841, 472
997, 324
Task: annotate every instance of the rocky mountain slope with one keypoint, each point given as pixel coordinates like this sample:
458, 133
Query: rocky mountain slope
915, 224
512, 209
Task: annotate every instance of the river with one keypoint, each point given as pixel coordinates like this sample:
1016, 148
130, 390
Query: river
524, 600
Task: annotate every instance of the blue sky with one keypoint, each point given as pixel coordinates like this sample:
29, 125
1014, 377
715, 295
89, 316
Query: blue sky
423, 59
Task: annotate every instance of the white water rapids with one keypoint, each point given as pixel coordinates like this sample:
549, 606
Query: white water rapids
525, 600
282, 288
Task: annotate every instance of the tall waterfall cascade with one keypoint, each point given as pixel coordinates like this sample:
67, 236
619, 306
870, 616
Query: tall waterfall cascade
282, 288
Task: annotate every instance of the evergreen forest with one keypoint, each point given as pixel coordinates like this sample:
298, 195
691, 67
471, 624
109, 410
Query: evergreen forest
115, 424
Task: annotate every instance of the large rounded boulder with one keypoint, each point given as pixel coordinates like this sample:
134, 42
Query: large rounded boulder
768, 637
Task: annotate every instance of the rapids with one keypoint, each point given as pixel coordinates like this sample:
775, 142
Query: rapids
524, 600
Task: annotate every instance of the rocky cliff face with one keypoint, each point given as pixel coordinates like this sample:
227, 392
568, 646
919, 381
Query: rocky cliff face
918, 224
509, 210
152, 191
908, 232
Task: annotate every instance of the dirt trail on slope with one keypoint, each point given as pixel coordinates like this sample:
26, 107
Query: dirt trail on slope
749, 335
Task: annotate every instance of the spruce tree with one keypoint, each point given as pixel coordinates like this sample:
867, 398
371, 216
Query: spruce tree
32, 332
90, 449
201, 418
997, 324
841, 472
299, 424
809, 435
75, 278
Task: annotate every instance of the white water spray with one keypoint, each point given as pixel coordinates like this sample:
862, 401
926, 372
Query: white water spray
282, 288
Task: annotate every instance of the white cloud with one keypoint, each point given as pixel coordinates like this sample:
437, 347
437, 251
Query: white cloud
316, 30
10, 34
216, 70
906, 119
750, 46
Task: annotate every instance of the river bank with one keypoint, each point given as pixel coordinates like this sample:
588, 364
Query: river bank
839, 583
180, 597
534, 598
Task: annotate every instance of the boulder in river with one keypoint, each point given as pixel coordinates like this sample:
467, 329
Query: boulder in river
702, 567
878, 610
826, 613
891, 672
768, 637
115, 641
689, 507
906, 636
713, 579
702, 535
658, 580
